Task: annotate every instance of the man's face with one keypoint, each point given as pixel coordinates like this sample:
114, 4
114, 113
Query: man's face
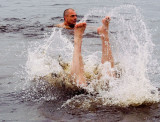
71, 18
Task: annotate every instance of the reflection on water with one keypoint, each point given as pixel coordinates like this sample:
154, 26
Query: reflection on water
92, 110
53, 110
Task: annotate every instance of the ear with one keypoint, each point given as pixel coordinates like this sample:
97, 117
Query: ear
64, 18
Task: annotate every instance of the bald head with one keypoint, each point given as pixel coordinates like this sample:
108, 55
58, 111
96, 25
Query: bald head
66, 12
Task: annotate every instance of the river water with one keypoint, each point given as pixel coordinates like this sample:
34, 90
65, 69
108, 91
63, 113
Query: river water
30, 48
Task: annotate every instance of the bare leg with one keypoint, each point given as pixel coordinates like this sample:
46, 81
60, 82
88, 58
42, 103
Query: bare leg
77, 68
106, 48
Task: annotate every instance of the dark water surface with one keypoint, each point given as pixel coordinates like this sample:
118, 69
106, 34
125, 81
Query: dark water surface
23, 22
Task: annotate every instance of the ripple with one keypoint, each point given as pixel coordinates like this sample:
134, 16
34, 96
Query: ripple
12, 19
60, 4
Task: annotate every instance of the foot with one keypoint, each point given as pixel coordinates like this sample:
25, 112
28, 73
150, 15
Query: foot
79, 30
105, 26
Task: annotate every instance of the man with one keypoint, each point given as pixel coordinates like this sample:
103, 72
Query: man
77, 68
70, 19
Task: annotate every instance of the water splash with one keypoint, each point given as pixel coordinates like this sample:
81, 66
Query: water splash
132, 48
43, 59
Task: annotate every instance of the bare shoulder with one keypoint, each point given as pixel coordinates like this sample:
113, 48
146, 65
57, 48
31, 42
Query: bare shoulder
61, 25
